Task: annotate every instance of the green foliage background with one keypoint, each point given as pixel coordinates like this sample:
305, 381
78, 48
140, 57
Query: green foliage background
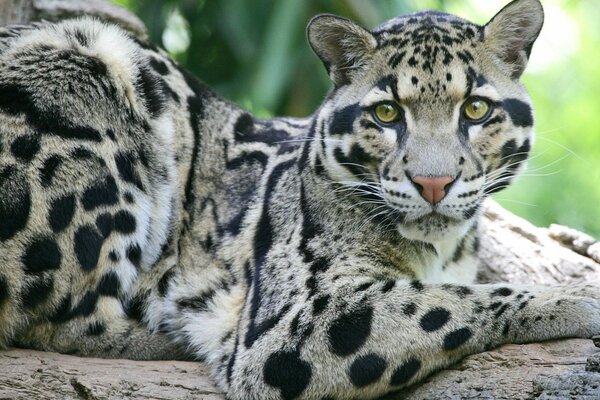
254, 52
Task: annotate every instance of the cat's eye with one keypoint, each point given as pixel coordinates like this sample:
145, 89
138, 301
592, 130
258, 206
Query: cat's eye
387, 113
476, 109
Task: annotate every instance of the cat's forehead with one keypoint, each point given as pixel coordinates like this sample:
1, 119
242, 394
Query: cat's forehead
423, 23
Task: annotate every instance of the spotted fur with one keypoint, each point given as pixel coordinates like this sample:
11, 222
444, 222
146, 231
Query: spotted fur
142, 216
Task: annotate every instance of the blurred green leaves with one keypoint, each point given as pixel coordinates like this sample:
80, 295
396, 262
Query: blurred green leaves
255, 54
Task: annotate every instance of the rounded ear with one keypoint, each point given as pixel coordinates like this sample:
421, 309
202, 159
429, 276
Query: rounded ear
511, 33
342, 45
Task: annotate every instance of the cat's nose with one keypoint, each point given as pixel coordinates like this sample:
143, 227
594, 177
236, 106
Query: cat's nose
432, 188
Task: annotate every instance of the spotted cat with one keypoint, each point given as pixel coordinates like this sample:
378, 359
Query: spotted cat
333, 256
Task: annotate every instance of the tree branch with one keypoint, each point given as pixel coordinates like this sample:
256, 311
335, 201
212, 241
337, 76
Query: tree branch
512, 250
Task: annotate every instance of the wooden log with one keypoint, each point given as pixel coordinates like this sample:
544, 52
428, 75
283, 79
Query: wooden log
512, 250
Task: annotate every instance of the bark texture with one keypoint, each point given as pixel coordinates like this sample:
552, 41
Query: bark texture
512, 250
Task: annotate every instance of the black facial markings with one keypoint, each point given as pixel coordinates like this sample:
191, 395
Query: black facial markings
103, 193
435, 319
25, 147
405, 372
457, 338
366, 369
37, 292
396, 59
288, 372
124, 222
519, 112
15, 201
61, 213
42, 254
342, 121
350, 330
87, 245
347, 162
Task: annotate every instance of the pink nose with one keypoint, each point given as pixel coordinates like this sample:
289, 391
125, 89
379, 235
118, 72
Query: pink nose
433, 189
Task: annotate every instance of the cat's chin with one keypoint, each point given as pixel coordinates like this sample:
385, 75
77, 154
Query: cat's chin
434, 228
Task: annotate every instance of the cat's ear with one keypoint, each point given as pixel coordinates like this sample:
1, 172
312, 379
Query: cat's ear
511, 33
343, 46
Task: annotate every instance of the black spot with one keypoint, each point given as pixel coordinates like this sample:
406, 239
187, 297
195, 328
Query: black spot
49, 168
125, 166
15, 202
134, 254
501, 310
414, 80
61, 213
128, 197
148, 86
349, 332
366, 369
104, 193
501, 292
43, 254
405, 372
96, 328
457, 338
163, 283
523, 305
37, 292
86, 306
409, 309
25, 147
417, 285
104, 223
196, 303
388, 285
435, 319
4, 293
81, 38
159, 66
135, 308
286, 371
124, 222
109, 285
113, 256
520, 112
63, 312
88, 243
320, 303
111, 135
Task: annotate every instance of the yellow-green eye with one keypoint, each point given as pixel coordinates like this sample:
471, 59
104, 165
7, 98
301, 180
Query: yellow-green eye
476, 109
387, 113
